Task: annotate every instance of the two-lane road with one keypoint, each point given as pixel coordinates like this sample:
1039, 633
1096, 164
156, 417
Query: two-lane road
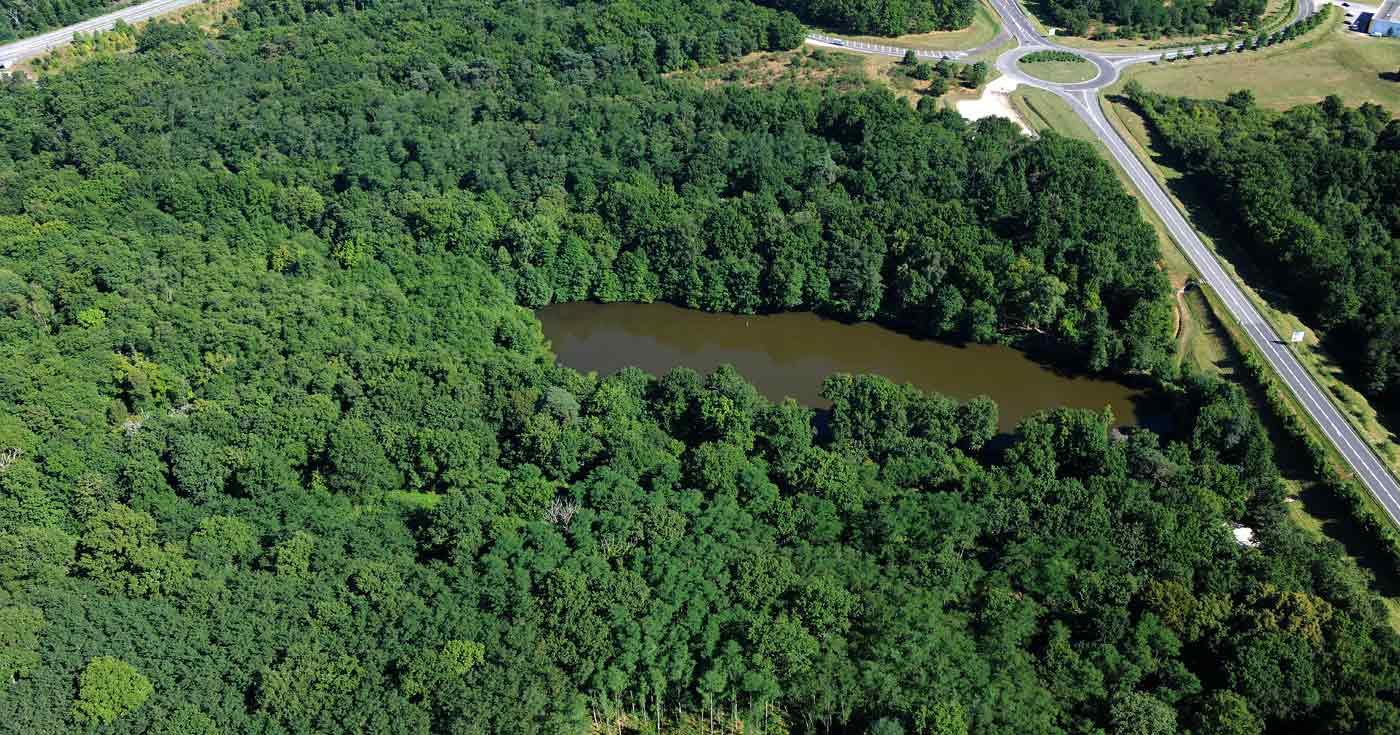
12, 53
1368, 468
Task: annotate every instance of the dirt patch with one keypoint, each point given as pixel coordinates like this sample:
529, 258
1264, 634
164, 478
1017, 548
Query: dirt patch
994, 102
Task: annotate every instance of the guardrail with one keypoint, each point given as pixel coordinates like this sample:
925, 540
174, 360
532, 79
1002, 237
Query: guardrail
881, 49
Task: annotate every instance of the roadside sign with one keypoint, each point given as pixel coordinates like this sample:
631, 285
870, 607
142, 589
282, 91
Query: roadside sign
1297, 337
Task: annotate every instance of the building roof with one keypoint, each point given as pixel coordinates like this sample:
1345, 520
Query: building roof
1389, 11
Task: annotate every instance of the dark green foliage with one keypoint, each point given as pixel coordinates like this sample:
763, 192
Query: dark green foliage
1312, 195
882, 17
1151, 18
975, 75
290, 456
1041, 56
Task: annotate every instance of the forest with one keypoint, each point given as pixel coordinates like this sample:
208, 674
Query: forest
1312, 194
1148, 18
285, 450
882, 17
22, 18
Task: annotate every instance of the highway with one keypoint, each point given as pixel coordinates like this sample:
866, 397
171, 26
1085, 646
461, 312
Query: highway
1083, 98
28, 48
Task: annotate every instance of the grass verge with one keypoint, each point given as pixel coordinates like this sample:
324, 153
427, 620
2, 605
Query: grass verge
1319, 363
1326, 500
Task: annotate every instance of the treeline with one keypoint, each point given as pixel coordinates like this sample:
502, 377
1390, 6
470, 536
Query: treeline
284, 452
1312, 195
1037, 57
883, 17
23, 18
1149, 18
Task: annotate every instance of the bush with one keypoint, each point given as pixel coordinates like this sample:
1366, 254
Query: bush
1037, 57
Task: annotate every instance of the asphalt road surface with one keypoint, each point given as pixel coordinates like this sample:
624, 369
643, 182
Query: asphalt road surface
28, 48
1083, 98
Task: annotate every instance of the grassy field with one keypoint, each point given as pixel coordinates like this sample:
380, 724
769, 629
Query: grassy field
984, 27
1060, 71
1330, 60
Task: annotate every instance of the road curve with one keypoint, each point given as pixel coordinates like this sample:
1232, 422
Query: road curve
1083, 98
28, 48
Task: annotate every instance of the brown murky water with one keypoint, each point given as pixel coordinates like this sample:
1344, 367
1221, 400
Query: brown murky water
790, 354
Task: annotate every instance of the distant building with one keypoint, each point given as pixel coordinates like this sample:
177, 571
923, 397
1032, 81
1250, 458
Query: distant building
1386, 21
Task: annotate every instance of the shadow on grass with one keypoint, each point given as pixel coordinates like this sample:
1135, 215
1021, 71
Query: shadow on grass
1338, 525
1194, 192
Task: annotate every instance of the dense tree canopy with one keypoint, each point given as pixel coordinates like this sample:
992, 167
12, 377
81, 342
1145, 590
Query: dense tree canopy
1312, 193
1150, 18
284, 451
883, 17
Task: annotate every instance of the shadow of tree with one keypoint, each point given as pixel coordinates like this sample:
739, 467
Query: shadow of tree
1196, 193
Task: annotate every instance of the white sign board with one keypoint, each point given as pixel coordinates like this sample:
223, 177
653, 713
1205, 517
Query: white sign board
1297, 337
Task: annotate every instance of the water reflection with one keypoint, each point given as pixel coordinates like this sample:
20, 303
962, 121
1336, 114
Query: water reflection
790, 354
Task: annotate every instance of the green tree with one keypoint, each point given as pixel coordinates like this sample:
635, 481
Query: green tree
20, 626
1139, 713
223, 540
119, 551
109, 688
975, 75
358, 465
1225, 713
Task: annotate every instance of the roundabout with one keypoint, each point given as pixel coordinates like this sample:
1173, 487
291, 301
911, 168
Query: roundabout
1087, 73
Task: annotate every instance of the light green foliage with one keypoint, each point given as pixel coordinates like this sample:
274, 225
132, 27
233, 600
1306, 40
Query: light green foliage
93, 318
1139, 713
291, 557
109, 688
433, 672
1227, 713
33, 553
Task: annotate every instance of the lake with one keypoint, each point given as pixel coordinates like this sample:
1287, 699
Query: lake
789, 355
